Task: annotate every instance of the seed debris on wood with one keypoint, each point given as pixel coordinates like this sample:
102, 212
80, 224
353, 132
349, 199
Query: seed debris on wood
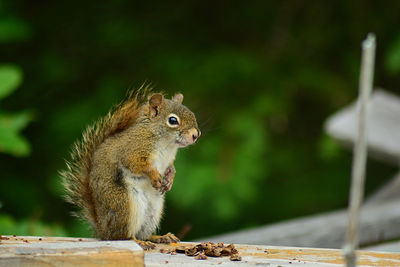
201, 256
202, 250
4, 238
235, 257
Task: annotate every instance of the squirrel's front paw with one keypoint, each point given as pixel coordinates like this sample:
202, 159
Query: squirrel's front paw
157, 182
168, 180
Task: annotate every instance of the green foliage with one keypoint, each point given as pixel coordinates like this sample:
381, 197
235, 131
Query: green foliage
261, 77
11, 124
9, 226
13, 29
10, 79
232, 172
393, 57
10, 140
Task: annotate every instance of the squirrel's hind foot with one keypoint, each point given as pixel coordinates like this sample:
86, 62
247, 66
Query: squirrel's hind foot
165, 239
146, 245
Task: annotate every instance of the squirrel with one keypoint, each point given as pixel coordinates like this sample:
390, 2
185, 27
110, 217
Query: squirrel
115, 175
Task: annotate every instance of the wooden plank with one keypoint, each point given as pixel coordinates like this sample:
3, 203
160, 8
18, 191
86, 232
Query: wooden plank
388, 247
388, 192
272, 256
44, 251
379, 223
60, 251
13, 239
383, 126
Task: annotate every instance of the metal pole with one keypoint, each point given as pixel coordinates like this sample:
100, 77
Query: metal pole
359, 151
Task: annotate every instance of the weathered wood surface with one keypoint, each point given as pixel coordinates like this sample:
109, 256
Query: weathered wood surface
388, 192
393, 246
50, 251
272, 256
59, 251
383, 129
379, 223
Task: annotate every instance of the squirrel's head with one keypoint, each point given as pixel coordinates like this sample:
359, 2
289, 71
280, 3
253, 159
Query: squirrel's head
173, 120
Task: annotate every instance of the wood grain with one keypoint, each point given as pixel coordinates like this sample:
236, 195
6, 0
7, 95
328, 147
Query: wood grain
379, 223
43, 251
61, 251
272, 256
383, 128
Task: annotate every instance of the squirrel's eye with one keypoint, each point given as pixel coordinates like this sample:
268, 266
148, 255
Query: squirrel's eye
173, 121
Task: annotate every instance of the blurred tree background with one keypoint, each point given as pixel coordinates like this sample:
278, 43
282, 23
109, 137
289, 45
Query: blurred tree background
261, 76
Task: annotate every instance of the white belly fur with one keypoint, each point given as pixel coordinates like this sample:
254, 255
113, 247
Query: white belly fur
164, 156
147, 205
147, 202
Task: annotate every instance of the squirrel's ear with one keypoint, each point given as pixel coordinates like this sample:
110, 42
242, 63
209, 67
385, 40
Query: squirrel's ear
178, 98
155, 102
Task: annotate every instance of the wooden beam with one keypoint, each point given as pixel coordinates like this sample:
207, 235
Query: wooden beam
379, 223
393, 246
43, 251
271, 256
388, 192
383, 128
60, 251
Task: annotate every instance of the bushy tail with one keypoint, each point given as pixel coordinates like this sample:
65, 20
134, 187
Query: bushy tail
76, 177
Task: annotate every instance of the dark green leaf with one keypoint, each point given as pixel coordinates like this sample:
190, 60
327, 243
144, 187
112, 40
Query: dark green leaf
10, 140
13, 29
10, 79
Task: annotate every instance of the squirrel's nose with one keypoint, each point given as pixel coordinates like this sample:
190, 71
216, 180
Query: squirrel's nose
196, 135
192, 135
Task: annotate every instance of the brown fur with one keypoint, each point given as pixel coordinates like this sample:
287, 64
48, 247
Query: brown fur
75, 178
107, 177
